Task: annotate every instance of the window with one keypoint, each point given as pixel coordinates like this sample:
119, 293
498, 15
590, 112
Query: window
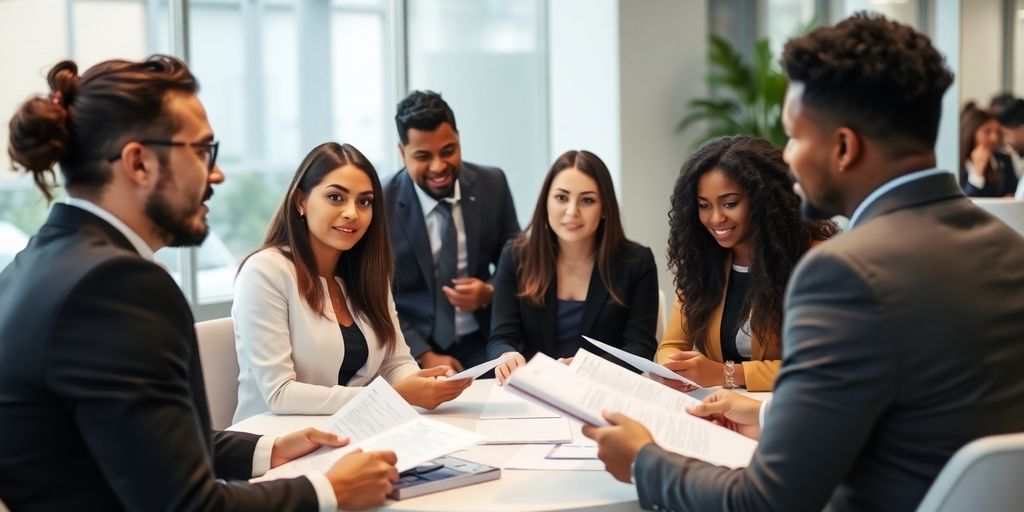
37, 34
488, 59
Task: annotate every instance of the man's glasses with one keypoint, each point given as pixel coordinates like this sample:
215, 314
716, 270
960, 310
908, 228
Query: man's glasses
209, 150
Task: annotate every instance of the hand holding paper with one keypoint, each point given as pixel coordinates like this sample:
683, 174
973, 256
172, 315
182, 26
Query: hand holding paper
480, 369
642, 364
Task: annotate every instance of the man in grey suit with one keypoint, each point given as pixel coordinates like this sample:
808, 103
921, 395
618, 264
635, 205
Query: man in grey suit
903, 338
448, 221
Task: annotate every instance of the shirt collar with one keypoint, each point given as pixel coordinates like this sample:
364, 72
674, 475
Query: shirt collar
886, 187
429, 203
137, 242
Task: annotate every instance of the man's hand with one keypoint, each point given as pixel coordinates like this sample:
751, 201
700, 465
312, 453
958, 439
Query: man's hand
363, 479
424, 389
694, 366
504, 370
469, 293
731, 410
297, 444
618, 444
431, 359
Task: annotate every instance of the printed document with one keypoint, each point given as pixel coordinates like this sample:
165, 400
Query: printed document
562, 389
380, 419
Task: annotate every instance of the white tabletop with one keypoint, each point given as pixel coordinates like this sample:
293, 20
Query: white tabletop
516, 490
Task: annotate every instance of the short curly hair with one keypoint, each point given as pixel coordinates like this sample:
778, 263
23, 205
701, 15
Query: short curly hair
780, 236
881, 78
422, 110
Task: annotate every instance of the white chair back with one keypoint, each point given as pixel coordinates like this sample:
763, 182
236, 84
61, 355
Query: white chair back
983, 475
220, 368
1008, 210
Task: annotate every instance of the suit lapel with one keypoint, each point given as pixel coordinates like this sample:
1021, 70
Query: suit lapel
470, 217
597, 296
411, 215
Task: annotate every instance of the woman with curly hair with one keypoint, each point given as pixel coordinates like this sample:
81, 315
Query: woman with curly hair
735, 236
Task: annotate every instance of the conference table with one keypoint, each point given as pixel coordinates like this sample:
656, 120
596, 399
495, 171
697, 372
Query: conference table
516, 490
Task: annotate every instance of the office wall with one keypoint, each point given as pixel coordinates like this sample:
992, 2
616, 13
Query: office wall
981, 50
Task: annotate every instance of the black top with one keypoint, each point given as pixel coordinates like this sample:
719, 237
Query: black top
523, 326
735, 316
570, 327
356, 352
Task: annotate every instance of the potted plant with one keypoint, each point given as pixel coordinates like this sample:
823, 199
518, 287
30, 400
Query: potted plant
746, 97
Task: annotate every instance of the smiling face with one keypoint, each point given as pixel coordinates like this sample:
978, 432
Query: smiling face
574, 206
724, 210
433, 159
339, 209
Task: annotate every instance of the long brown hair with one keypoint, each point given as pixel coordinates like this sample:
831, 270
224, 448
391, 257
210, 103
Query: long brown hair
971, 120
536, 248
366, 268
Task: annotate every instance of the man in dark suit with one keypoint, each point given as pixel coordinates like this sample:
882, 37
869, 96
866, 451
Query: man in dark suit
902, 337
448, 222
102, 403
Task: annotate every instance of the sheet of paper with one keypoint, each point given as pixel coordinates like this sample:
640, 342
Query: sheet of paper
534, 457
481, 368
599, 369
379, 419
582, 398
644, 365
503, 404
524, 431
573, 451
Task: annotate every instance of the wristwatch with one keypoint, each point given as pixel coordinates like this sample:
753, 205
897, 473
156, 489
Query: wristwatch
729, 371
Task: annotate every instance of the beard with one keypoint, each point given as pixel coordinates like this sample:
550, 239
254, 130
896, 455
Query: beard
817, 211
174, 226
446, 192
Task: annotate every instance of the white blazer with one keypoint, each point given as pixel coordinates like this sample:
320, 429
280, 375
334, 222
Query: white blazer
288, 354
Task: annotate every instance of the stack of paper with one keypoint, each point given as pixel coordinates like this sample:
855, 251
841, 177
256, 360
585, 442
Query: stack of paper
379, 419
594, 385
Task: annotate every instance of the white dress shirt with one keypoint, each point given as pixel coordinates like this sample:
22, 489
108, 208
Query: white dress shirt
887, 186
465, 322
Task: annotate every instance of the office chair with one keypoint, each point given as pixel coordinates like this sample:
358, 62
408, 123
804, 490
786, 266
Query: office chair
983, 475
220, 368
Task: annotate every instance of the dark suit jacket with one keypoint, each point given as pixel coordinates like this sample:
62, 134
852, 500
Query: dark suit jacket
902, 342
489, 219
520, 325
102, 404
1006, 186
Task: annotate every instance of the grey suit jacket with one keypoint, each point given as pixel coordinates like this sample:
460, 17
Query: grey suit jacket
903, 340
490, 220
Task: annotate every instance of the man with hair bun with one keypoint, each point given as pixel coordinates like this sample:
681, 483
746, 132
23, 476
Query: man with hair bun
102, 402
902, 336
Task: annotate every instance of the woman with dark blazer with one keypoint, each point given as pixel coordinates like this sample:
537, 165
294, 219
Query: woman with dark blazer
985, 171
573, 273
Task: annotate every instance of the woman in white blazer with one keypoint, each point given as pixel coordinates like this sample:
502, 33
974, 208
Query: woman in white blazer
313, 312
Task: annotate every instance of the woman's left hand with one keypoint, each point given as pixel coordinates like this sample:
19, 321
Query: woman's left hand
694, 366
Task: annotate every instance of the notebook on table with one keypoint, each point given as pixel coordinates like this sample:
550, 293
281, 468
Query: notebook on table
441, 474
